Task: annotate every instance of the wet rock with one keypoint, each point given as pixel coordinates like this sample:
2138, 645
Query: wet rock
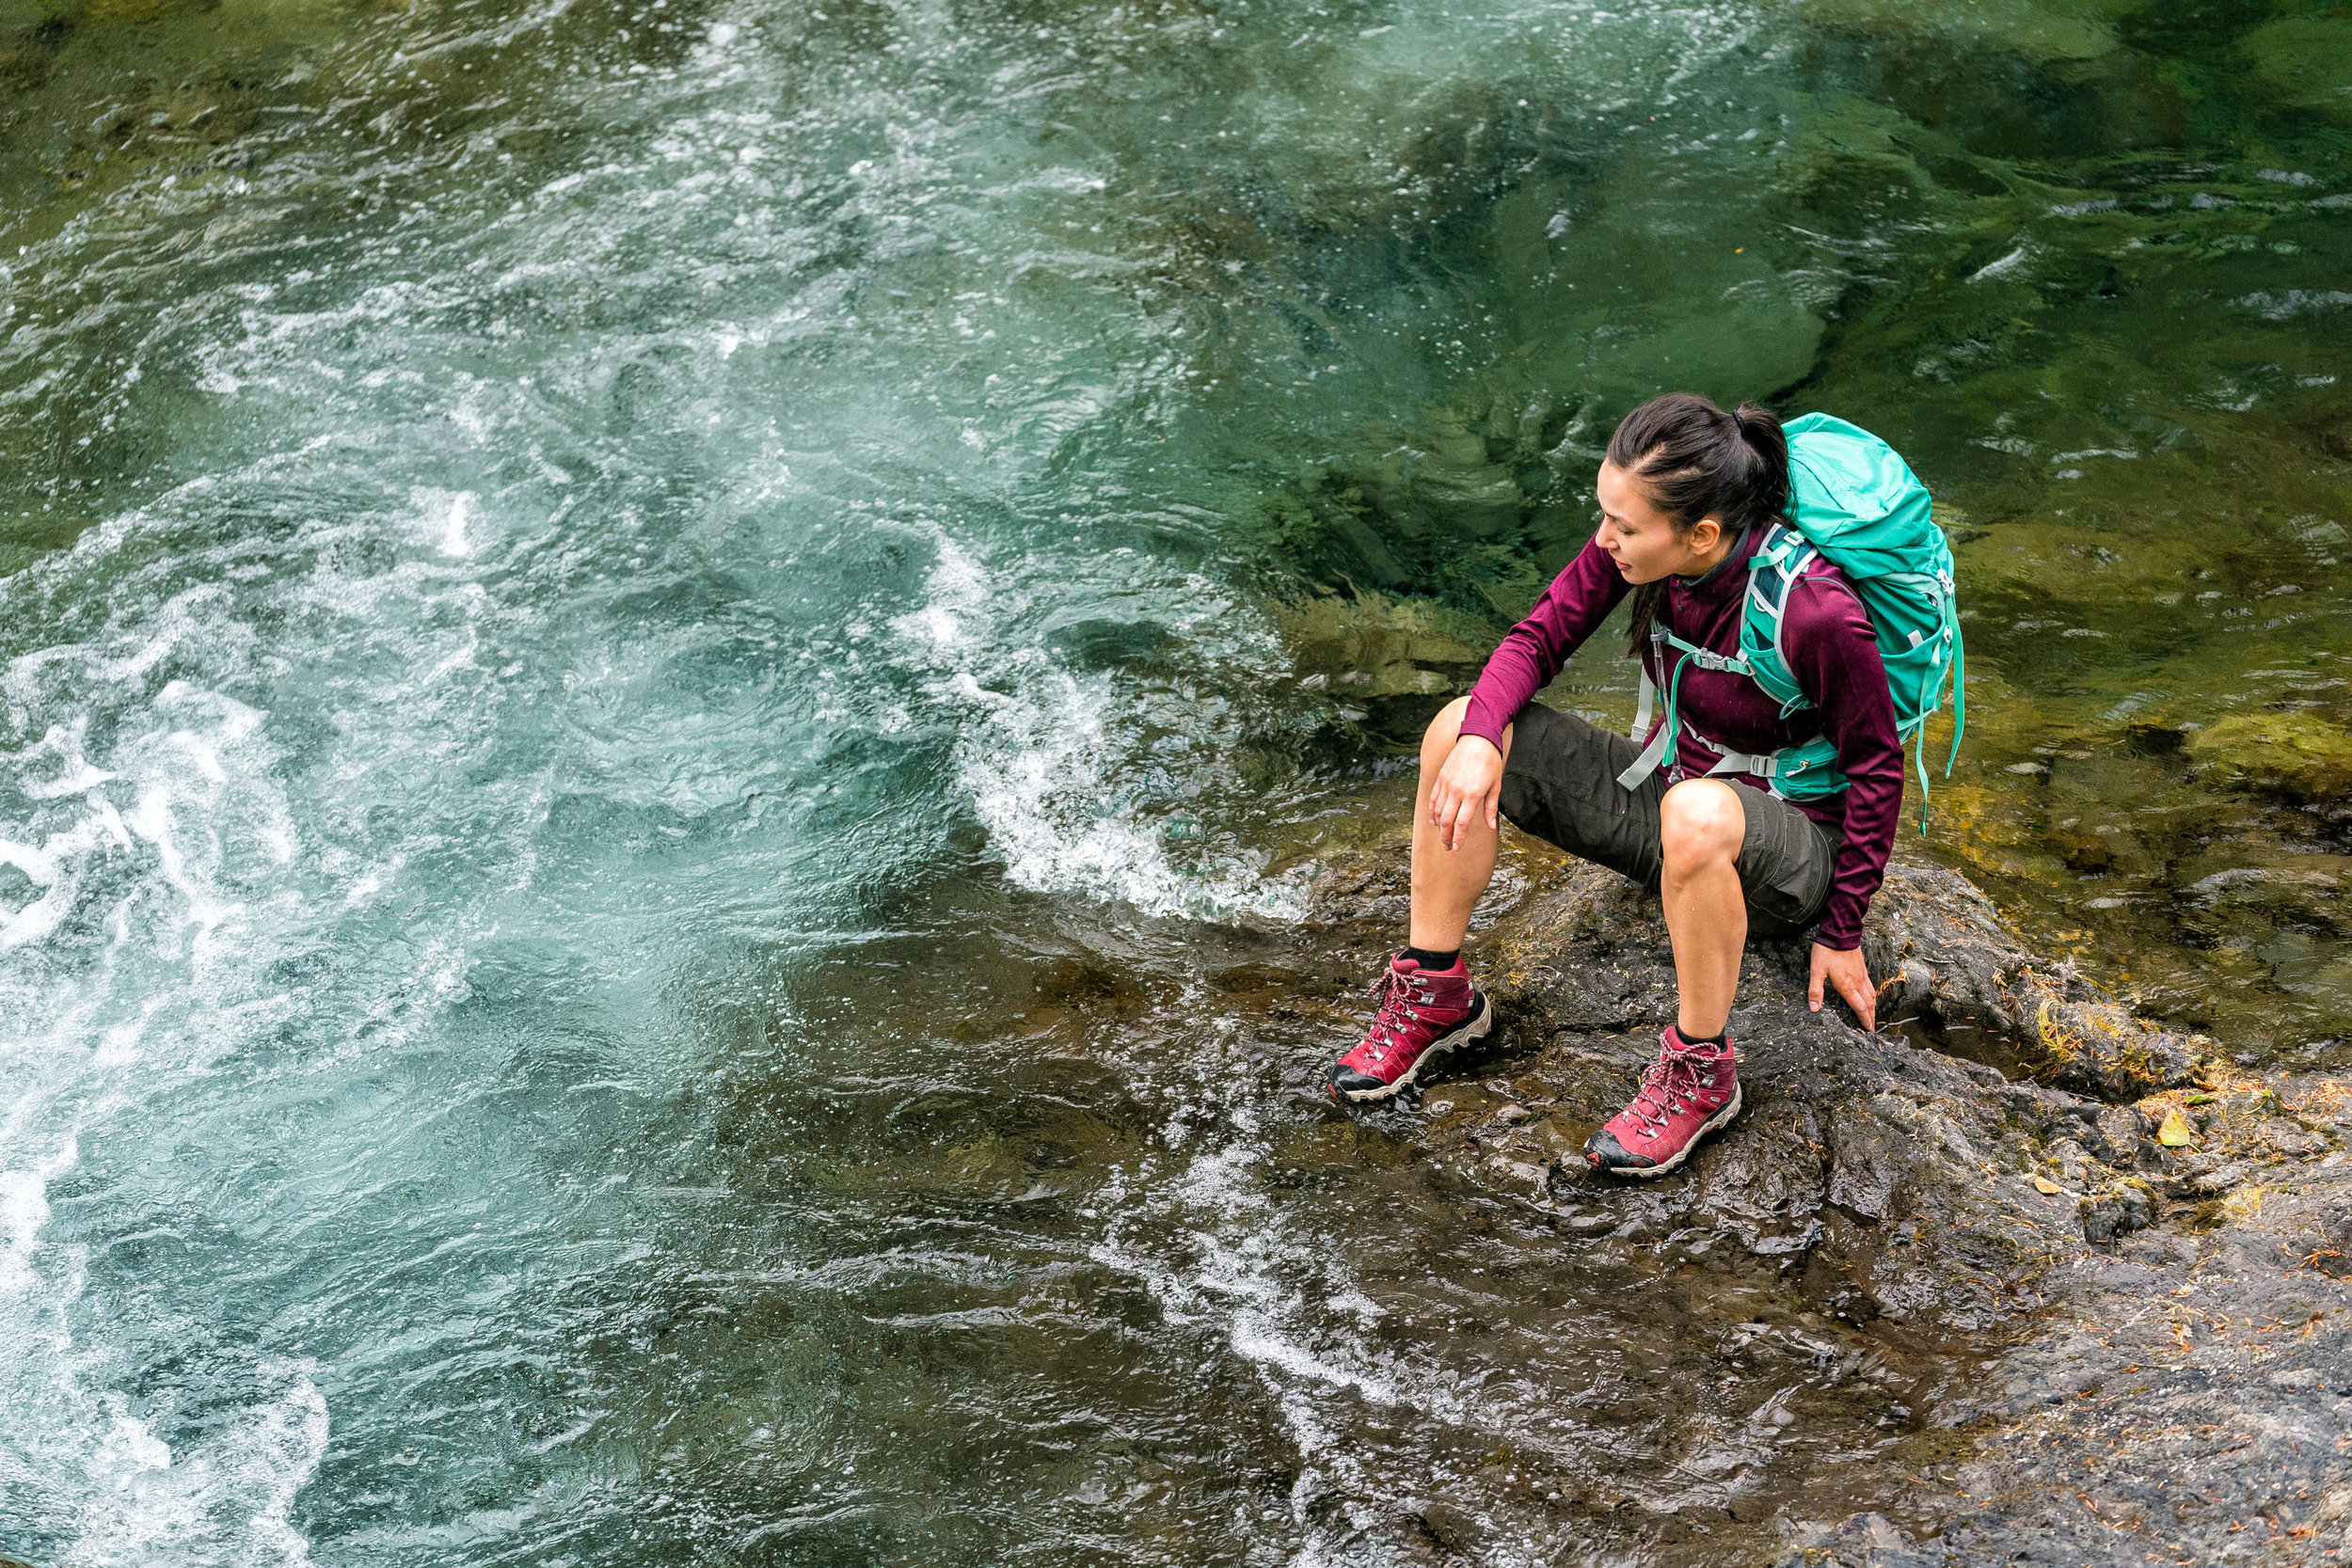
1954, 970
2328, 1244
1881, 1192
2072, 1161
1887, 1175
1373, 890
1941, 951
2201, 1379
2041, 1112
2290, 1138
1762, 1182
1452, 1526
2118, 1211
2212, 1181
1865, 1540
2114, 1134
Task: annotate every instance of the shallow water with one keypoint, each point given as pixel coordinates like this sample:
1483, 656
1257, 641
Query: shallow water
654, 656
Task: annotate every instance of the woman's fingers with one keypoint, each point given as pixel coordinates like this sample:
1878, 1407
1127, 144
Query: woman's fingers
1446, 809
1455, 807
1445, 802
1846, 971
1441, 800
1861, 998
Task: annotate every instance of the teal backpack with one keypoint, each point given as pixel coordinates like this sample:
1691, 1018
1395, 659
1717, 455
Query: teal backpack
1853, 499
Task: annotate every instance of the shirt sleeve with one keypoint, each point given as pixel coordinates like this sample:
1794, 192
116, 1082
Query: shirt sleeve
1834, 654
1532, 653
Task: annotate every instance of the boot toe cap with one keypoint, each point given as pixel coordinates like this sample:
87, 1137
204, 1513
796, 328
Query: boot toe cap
1347, 1084
1602, 1151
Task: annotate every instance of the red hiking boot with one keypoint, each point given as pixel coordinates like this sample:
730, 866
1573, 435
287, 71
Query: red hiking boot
1422, 1015
1687, 1093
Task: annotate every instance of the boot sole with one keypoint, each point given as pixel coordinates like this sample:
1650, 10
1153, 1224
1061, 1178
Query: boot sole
1731, 1109
1472, 1028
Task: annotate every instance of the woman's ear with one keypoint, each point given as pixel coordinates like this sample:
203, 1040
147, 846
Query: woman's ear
1705, 535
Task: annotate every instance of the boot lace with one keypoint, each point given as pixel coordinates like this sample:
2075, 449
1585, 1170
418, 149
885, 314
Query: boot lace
1668, 1086
1397, 994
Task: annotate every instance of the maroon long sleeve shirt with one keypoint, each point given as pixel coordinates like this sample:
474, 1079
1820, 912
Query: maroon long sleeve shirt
1831, 650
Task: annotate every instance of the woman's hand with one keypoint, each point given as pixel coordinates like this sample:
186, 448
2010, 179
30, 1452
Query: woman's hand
1469, 785
1844, 969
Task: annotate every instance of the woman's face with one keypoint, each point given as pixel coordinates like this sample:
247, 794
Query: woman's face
1638, 538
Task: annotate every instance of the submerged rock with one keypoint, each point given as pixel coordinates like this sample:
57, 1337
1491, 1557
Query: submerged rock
1400, 658
2305, 60
2299, 755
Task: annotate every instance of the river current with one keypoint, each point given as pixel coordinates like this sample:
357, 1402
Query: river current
656, 662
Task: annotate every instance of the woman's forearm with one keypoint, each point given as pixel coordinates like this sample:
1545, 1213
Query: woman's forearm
1532, 653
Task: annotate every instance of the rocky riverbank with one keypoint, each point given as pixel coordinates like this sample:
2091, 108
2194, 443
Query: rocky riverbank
2088, 1280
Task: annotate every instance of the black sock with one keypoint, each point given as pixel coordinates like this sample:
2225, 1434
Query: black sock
1712, 1042
1429, 961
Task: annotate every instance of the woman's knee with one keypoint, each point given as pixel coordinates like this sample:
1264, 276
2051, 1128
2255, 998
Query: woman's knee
1436, 741
1700, 822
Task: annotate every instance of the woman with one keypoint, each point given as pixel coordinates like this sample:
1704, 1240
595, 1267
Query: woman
1687, 495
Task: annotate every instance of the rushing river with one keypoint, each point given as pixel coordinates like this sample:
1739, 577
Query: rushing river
657, 663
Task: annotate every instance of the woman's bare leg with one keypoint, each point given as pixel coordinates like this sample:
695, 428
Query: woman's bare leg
1701, 827
1447, 883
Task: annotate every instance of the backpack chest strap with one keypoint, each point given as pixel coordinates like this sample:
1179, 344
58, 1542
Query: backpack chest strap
1662, 746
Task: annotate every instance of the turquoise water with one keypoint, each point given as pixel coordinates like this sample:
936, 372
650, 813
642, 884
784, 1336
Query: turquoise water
657, 663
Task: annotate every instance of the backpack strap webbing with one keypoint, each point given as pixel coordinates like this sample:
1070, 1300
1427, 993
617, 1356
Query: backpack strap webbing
1662, 746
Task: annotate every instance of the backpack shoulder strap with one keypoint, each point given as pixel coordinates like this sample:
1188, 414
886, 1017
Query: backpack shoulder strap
1772, 573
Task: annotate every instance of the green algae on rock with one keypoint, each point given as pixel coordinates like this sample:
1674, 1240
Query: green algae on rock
2307, 60
2296, 754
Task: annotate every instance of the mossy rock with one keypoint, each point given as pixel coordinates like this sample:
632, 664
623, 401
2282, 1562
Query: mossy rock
2299, 755
2045, 556
1376, 646
2307, 60
2100, 1049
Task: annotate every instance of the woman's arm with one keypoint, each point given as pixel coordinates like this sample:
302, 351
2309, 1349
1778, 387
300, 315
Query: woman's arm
1532, 653
1469, 786
1834, 656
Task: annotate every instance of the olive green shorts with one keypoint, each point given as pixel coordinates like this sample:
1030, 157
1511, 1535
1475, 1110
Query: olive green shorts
1560, 785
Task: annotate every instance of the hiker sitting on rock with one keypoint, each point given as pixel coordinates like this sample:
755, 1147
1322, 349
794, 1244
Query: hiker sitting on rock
1767, 793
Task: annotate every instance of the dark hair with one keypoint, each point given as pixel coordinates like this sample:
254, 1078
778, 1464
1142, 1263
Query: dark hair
1693, 461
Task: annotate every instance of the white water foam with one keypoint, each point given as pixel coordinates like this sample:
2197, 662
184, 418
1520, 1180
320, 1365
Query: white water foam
125, 981
1202, 1232
1042, 752
225, 1500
